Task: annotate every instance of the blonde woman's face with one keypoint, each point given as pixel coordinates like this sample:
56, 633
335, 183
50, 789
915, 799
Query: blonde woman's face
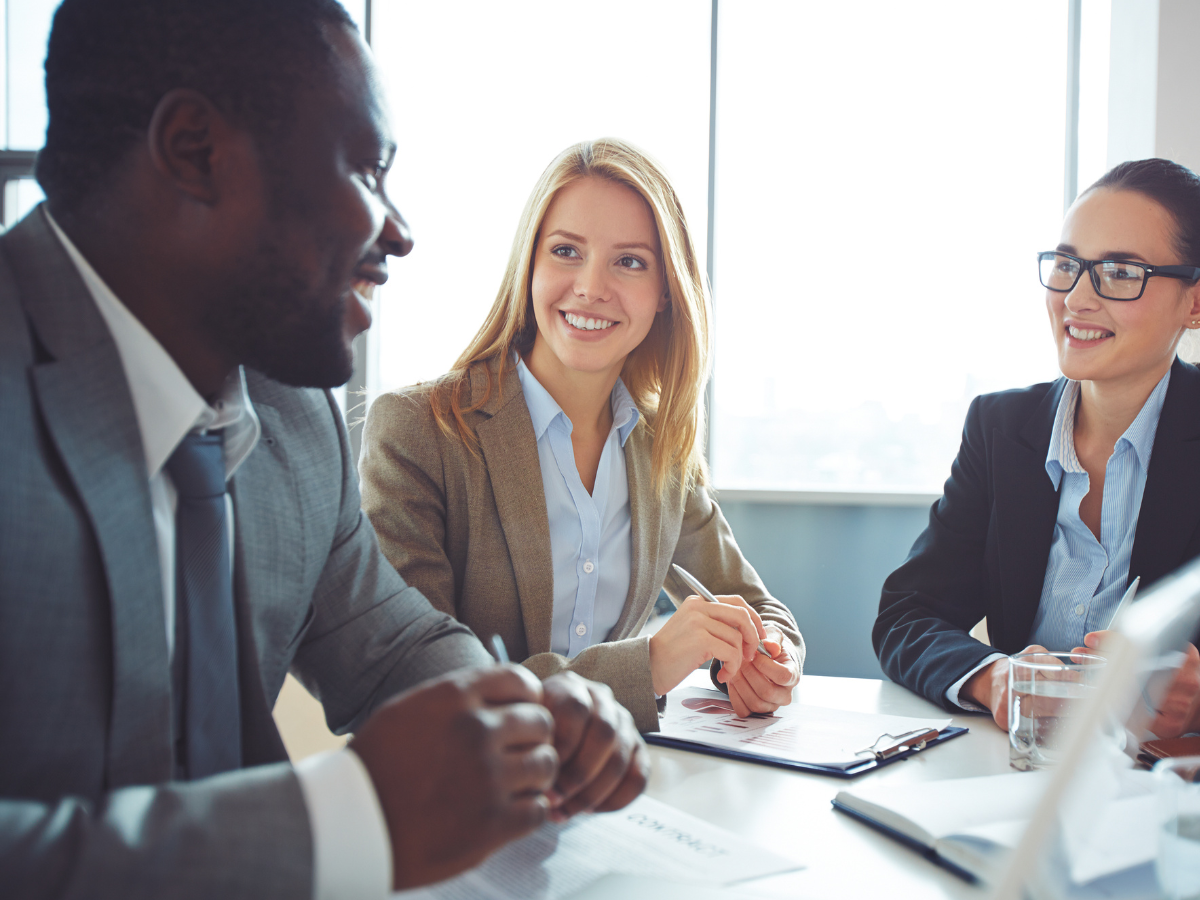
597, 277
1112, 341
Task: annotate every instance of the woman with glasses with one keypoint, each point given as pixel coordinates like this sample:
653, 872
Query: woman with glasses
542, 489
1063, 493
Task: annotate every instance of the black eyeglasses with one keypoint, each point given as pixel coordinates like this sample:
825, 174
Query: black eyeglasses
1113, 279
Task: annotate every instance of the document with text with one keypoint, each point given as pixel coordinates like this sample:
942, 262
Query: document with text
646, 838
812, 736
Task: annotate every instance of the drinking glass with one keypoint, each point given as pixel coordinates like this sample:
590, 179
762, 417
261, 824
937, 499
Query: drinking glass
1045, 690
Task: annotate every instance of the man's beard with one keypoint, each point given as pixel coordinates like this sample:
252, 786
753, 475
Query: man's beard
274, 322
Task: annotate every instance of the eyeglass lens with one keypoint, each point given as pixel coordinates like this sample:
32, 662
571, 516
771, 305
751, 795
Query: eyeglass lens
1114, 280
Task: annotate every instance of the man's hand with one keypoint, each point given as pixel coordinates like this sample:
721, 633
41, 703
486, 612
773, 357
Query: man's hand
461, 766
1179, 709
989, 687
699, 631
604, 763
763, 684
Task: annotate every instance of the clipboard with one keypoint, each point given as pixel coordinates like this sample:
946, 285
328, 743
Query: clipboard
883, 753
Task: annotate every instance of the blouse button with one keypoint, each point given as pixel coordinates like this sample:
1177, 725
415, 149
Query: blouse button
581, 629
1079, 610
588, 567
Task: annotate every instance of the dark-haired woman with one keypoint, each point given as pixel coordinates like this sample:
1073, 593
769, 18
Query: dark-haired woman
1062, 493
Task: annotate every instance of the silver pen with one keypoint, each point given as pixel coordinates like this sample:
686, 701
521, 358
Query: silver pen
1126, 599
499, 650
694, 583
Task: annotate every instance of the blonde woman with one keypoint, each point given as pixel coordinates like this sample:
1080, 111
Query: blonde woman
542, 489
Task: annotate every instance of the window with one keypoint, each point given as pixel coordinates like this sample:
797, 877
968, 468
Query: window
884, 177
484, 97
884, 173
24, 29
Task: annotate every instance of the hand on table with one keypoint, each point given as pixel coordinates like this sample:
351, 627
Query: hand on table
989, 687
1179, 708
461, 766
763, 684
699, 631
603, 763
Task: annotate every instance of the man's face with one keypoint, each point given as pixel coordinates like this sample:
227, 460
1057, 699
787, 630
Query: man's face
294, 299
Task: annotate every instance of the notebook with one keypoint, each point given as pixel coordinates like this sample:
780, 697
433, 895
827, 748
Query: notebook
971, 826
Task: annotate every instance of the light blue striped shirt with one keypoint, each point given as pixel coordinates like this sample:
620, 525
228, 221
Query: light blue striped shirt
590, 534
1086, 578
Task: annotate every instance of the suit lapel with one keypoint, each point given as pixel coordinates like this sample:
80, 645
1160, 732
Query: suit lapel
1170, 508
1026, 508
510, 452
645, 528
265, 594
85, 402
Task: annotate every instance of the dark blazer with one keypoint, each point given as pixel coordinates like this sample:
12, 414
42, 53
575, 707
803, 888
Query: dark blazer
985, 550
86, 803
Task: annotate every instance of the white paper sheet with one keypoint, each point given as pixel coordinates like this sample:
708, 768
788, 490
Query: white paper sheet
799, 733
643, 887
646, 838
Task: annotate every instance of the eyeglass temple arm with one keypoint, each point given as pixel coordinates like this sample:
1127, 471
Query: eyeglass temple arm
1188, 273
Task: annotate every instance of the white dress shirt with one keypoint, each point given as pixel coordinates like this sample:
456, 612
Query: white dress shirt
351, 847
591, 545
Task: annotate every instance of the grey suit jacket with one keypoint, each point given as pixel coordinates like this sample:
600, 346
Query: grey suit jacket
473, 534
86, 806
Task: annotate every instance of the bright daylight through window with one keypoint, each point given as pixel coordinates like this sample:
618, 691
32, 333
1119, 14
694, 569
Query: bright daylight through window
484, 100
885, 174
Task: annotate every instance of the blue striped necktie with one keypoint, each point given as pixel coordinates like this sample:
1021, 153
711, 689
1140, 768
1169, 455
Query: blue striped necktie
208, 714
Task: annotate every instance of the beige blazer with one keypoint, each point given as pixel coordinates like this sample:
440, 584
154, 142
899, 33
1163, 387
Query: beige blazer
472, 534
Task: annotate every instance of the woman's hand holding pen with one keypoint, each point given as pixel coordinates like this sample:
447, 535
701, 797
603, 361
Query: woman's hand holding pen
763, 684
699, 631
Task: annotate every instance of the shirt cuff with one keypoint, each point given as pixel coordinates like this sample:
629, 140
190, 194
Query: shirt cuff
352, 854
952, 692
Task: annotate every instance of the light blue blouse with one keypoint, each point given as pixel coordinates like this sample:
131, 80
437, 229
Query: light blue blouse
590, 534
1085, 577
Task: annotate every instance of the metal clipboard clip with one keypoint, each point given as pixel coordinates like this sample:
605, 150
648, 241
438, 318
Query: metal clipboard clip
899, 743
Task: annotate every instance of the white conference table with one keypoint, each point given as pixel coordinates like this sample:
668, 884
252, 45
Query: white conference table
790, 813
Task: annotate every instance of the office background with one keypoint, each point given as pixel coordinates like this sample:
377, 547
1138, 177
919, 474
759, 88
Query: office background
867, 182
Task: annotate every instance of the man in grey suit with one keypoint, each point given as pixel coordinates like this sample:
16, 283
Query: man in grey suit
215, 179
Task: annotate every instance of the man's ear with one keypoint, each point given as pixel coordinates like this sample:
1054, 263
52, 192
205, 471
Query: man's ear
187, 136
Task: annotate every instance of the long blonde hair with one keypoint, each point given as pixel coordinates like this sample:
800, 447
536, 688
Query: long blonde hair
665, 373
